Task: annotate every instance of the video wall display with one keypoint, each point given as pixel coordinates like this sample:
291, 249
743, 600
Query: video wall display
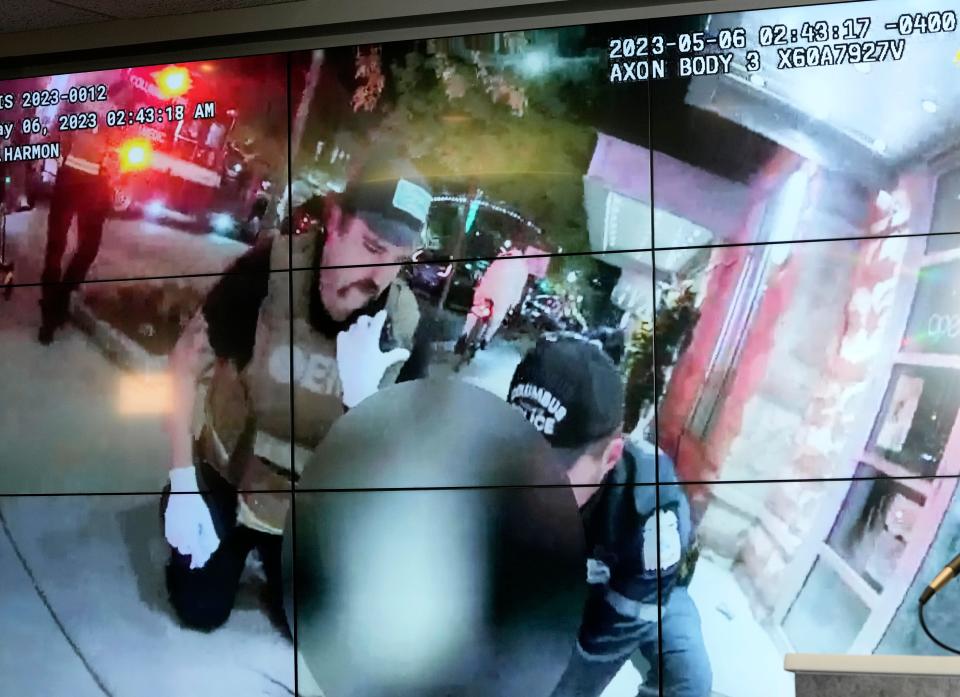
584, 361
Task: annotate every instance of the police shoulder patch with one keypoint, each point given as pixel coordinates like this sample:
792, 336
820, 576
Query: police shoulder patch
598, 573
670, 547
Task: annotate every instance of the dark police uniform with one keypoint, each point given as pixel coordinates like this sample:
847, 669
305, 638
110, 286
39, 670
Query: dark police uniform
637, 539
620, 618
83, 189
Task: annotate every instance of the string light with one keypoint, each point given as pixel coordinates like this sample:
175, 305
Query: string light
488, 205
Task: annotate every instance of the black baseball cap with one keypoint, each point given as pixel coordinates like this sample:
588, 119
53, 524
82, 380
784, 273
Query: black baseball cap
570, 390
391, 197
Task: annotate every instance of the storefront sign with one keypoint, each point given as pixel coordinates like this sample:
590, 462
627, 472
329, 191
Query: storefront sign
934, 325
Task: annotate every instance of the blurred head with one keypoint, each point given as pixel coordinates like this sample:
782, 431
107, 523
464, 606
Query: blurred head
376, 225
571, 391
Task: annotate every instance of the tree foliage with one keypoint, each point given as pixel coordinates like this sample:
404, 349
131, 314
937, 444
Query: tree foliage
468, 125
648, 360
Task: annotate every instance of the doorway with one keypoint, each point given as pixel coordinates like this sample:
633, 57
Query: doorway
874, 531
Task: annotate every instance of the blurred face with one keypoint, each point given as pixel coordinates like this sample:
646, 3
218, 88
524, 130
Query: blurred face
358, 265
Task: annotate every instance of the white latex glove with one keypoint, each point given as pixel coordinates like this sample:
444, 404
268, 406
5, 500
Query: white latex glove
360, 361
188, 526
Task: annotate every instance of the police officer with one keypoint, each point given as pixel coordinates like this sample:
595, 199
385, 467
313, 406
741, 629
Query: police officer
236, 374
572, 393
83, 189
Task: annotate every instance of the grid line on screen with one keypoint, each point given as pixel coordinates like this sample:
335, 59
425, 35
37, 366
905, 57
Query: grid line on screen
551, 255
656, 408
293, 453
327, 490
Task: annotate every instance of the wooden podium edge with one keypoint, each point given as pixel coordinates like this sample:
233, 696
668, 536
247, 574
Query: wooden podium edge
875, 664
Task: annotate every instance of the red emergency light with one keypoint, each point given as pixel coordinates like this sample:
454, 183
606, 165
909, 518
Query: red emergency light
135, 154
173, 81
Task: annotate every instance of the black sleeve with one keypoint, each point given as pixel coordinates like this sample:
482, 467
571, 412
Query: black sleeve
233, 305
417, 366
606, 634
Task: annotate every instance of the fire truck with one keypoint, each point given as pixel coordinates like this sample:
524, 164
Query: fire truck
175, 168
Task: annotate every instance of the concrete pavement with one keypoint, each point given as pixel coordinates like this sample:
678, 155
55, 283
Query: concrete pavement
32, 639
98, 562
61, 429
83, 609
130, 249
60, 425
737, 644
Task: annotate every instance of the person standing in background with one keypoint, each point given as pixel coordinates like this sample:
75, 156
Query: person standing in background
83, 190
502, 284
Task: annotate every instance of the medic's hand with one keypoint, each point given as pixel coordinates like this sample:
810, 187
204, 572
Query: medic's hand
361, 362
188, 526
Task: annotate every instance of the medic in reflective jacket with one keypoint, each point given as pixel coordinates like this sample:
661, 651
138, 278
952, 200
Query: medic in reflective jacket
265, 338
573, 386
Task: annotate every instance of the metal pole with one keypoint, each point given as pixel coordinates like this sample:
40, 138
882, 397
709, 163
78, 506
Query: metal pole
298, 123
457, 250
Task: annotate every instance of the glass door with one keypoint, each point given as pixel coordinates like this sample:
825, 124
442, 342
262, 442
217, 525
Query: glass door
887, 517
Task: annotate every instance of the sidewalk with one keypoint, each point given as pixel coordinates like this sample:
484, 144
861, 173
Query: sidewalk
99, 560
59, 422
32, 641
83, 609
130, 249
744, 659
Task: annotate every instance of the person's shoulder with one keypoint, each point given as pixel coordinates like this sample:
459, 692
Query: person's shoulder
634, 478
637, 464
401, 293
244, 279
643, 462
233, 304
254, 260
